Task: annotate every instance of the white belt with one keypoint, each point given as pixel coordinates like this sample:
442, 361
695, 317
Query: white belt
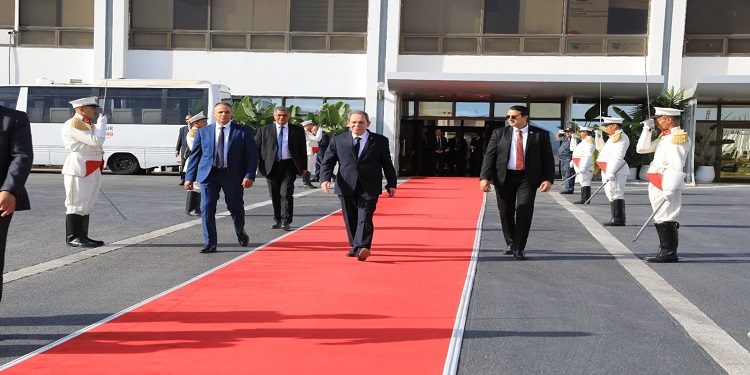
93, 153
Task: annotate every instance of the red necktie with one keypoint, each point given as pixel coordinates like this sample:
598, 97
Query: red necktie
519, 152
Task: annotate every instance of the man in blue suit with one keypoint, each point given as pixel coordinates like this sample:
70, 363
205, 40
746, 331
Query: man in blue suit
224, 157
363, 157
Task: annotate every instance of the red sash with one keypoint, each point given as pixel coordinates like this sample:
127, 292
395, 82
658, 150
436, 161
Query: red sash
654, 179
92, 165
576, 161
602, 165
315, 149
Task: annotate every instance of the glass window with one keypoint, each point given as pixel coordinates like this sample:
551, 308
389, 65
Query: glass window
474, 123
717, 17
578, 111
472, 109
350, 16
235, 42
607, 17
181, 102
48, 104
409, 110
735, 113
9, 96
500, 16
552, 126
735, 156
306, 104
545, 110
266, 101
354, 104
8, 15
141, 106
501, 109
706, 112
309, 15
190, 14
231, 15
270, 15
541, 17
450, 17
436, 109
149, 15
59, 15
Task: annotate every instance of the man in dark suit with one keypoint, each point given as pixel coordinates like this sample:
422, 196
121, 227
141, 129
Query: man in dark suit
476, 150
283, 157
518, 160
224, 157
457, 147
181, 149
363, 157
439, 147
323, 146
16, 156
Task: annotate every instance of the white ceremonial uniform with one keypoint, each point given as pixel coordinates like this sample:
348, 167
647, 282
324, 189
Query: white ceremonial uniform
190, 139
82, 173
583, 153
670, 152
613, 154
312, 141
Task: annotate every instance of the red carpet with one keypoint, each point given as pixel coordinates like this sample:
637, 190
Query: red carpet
299, 306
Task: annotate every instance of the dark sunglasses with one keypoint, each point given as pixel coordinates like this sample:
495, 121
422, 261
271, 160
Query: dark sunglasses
509, 117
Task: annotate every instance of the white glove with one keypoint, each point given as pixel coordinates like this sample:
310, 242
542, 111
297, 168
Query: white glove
610, 177
598, 133
572, 165
648, 125
101, 126
667, 195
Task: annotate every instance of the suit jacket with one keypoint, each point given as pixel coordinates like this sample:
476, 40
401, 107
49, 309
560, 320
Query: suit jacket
242, 153
182, 146
539, 160
432, 141
268, 146
16, 154
374, 160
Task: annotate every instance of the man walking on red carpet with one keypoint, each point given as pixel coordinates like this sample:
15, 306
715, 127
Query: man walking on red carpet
517, 161
363, 157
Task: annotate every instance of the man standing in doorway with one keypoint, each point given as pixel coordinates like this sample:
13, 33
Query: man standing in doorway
439, 146
518, 160
363, 157
283, 157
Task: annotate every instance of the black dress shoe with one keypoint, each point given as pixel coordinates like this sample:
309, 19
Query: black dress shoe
277, 225
518, 255
508, 250
363, 254
285, 225
209, 249
315, 179
243, 238
566, 192
352, 252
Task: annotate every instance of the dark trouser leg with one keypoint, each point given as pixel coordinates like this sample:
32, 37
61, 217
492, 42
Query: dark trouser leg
349, 210
4, 225
506, 204
668, 242
274, 189
209, 196
366, 205
233, 196
525, 196
287, 193
515, 201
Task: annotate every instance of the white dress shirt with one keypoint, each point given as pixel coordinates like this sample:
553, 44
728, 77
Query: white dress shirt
512, 156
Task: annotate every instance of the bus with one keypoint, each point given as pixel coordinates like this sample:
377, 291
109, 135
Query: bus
144, 117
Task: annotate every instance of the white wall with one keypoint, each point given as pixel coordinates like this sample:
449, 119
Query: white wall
692, 67
57, 64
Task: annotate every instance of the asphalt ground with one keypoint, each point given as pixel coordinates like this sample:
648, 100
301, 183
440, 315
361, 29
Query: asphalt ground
575, 307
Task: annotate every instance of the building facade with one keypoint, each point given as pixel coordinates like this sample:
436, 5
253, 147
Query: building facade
412, 64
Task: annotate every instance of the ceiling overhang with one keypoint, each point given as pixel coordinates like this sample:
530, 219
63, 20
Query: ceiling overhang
463, 86
721, 88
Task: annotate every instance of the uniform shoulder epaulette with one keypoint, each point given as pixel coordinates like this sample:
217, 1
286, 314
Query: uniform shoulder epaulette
590, 140
78, 124
679, 137
616, 137
192, 132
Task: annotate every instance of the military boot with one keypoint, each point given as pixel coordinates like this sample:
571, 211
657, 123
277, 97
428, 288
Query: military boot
74, 235
668, 241
585, 194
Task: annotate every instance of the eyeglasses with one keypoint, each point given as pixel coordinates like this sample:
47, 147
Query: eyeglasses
509, 117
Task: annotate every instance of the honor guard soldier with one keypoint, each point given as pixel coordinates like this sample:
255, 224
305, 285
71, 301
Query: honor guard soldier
615, 170
82, 168
583, 161
666, 177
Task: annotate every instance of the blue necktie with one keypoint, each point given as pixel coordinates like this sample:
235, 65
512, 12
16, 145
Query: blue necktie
356, 146
219, 157
280, 140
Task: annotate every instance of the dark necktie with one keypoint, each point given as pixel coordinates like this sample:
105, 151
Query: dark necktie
519, 152
439, 145
220, 149
280, 140
356, 146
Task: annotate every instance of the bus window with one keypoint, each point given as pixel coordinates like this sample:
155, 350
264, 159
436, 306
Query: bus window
181, 102
52, 104
9, 96
133, 106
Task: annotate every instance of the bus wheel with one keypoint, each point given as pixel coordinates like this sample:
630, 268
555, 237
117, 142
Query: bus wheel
123, 164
